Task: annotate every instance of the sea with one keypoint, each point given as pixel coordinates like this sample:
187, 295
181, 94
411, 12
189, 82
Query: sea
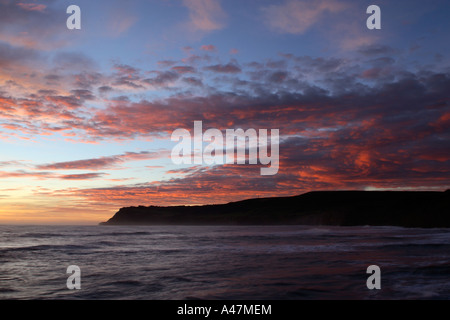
223, 262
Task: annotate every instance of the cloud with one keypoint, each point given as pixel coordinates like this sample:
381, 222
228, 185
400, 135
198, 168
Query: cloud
12, 163
224, 68
375, 50
297, 16
84, 176
194, 59
263, 94
278, 76
119, 19
120, 25
353, 157
345, 123
127, 76
167, 63
23, 24
103, 162
205, 15
88, 164
164, 79
26, 174
17, 56
48, 175
105, 89
32, 6
208, 47
184, 69
193, 81
73, 61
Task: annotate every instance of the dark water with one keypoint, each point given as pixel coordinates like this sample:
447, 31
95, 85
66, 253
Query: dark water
292, 262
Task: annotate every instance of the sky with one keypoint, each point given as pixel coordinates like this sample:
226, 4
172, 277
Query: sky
86, 116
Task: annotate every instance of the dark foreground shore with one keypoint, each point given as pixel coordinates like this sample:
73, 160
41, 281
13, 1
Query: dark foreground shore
338, 208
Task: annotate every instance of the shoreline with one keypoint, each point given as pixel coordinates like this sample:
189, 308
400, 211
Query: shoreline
413, 209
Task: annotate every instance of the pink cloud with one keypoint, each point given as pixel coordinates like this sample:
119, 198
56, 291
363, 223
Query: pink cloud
205, 15
103, 162
183, 69
208, 47
296, 17
32, 6
48, 175
120, 21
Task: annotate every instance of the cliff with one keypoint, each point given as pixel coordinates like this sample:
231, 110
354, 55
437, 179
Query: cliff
340, 208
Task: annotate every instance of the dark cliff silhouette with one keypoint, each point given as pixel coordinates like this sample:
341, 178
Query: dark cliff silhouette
340, 208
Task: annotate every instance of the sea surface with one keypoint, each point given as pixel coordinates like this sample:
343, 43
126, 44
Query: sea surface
251, 262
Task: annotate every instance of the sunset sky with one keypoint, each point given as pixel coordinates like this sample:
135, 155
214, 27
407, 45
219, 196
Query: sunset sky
86, 115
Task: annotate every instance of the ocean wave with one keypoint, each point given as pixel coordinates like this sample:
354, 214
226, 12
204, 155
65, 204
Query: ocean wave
64, 247
224, 262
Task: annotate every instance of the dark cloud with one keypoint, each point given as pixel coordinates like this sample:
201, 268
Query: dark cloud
105, 89
47, 92
83, 176
49, 175
224, 68
11, 55
163, 79
127, 76
320, 65
278, 76
375, 49
276, 64
83, 95
87, 79
53, 77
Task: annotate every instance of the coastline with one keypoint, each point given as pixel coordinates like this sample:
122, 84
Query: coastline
416, 209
